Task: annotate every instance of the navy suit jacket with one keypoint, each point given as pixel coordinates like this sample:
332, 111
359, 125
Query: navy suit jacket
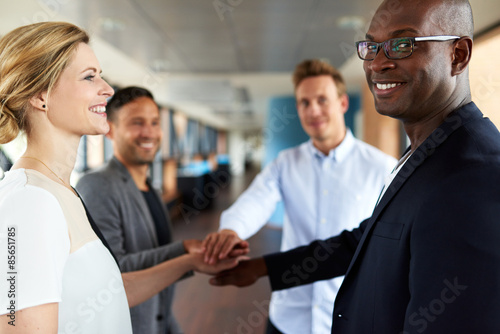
428, 260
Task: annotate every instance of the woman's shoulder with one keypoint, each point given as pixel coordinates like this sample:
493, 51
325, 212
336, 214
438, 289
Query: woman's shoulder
24, 186
32, 208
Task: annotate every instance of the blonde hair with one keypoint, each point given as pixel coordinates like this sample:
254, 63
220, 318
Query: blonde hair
315, 67
32, 59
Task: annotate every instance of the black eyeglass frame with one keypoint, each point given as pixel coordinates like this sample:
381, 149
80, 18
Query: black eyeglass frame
385, 44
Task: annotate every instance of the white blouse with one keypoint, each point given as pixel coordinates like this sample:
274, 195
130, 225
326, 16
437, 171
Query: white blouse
50, 254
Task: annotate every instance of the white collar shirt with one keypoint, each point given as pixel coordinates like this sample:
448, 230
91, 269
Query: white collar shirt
322, 195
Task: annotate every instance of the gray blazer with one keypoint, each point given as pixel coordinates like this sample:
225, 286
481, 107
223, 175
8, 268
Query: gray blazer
121, 213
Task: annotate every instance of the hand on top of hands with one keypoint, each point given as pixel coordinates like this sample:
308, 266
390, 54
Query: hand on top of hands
197, 253
212, 269
222, 245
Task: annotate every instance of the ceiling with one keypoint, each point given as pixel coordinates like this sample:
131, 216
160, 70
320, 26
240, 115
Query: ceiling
217, 60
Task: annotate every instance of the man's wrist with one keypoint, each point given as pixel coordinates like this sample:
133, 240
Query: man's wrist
260, 267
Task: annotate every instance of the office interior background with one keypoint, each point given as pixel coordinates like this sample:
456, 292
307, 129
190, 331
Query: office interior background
221, 72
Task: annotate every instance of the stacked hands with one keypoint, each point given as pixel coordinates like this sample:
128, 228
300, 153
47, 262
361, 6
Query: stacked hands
219, 251
224, 255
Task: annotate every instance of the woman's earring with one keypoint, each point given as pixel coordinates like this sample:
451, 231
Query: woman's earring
43, 106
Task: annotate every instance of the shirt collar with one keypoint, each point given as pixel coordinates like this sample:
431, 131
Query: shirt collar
337, 154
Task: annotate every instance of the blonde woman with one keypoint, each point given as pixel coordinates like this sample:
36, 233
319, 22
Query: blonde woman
56, 273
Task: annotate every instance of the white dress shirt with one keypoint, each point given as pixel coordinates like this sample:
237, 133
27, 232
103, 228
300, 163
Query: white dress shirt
322, 195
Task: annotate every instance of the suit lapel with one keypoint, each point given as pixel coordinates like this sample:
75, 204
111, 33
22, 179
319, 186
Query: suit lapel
132, 191
453, 122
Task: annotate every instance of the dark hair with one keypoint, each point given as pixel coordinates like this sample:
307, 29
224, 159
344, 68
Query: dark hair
316, 67
123, 97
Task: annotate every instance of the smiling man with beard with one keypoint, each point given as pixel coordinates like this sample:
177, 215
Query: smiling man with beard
127, 209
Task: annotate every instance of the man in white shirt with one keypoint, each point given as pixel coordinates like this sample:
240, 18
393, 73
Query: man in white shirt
327, 184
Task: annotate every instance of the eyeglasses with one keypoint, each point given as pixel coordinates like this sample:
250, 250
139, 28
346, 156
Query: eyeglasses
395, 48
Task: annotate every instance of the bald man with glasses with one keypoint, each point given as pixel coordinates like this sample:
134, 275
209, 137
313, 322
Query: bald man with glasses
427, 261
